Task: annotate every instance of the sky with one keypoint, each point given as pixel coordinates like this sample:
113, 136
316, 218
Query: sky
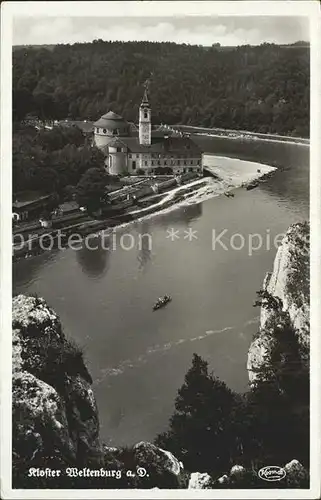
197, 30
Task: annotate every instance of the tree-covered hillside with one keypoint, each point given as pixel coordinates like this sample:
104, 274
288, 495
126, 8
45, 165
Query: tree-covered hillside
263, 88
51, 161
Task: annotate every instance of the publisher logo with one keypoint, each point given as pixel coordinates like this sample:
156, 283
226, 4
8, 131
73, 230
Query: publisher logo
272, 473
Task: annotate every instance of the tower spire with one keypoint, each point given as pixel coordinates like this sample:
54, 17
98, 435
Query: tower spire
145, 118
145, 96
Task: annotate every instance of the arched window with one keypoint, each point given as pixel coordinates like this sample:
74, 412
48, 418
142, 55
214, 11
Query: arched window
145, 114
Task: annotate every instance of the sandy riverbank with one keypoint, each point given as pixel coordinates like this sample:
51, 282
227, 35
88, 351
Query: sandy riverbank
231, 173
234, 171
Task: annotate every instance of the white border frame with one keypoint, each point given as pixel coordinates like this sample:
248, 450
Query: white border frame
310, 9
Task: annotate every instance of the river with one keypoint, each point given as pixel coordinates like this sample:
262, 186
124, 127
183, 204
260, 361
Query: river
137, 357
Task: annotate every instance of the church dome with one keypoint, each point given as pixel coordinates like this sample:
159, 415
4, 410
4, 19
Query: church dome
111, 121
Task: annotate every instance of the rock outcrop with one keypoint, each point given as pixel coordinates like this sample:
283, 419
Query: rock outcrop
295, 476
54, 409
285, 298
200, 480
55, 417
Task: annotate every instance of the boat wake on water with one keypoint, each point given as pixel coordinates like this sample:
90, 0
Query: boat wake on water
143, 358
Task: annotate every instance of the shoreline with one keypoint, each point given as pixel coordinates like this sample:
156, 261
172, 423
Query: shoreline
222, 181
246, 137
243, 134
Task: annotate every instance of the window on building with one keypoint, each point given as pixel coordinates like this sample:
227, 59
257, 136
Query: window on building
129, 156
105, 131
134, 165
97, 130
118, 150
178, 162
185, 162
198, 162
190, 169
184, 170
165, 162
145, 163
145, 114
158, 163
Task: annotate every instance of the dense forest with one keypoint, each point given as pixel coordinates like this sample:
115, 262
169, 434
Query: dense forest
51, 161
259, 88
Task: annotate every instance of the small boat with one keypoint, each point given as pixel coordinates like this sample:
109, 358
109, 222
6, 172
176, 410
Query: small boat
161, 302
229, 195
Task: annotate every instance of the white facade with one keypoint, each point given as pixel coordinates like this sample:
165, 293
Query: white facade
120, 162
117, 160
108, 127
148, 162
112, 134
102, 138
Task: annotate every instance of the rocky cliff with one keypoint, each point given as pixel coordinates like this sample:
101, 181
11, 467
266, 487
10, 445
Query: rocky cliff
55, 418
284, 299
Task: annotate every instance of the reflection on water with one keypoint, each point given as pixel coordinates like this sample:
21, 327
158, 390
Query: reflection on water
26, 270
94, 261
184, 215
145, 244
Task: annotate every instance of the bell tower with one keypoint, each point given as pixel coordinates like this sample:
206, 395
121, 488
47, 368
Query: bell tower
145, 122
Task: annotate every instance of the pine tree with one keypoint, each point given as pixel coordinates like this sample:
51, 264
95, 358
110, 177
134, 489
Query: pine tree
91, 188
200, 429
